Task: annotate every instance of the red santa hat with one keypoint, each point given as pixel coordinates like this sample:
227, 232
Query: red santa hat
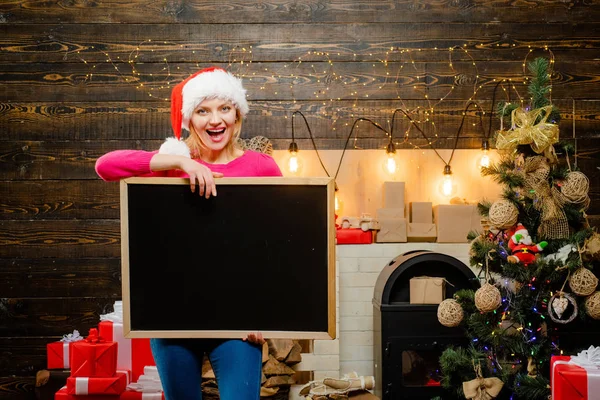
208, 83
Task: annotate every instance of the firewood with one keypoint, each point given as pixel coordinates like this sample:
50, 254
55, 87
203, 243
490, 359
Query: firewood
263, 378
280, 348
274, 367
278, 380
207, 371
295, 355
265, 352
267, 392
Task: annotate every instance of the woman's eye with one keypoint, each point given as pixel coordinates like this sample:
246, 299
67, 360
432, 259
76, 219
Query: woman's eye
201, 111
226, 108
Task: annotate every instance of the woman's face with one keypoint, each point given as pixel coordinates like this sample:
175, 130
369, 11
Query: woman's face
214, 123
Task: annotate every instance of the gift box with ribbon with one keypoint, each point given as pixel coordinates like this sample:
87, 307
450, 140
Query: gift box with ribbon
92, 385
134, 354
133, 395
94, 357
576, 377
353, 236
63, 395
427, 290
58, 353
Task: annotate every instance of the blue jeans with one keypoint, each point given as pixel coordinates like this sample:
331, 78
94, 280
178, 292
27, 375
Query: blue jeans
237, 366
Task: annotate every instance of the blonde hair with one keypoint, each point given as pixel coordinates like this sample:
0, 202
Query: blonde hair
196, 146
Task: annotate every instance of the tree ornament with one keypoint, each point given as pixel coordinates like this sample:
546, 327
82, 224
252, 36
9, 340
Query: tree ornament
575, 188
487, 298
583, 282
450, 313
592, 305
522, 247
591, 247
482, 388
503, 214
559, 303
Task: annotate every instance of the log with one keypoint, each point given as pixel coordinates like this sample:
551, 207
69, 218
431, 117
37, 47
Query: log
207, 371
268, 392
295, 355
280, 348
279, 380
274, 367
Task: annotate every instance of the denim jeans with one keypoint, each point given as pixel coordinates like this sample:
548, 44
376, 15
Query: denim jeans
237, 365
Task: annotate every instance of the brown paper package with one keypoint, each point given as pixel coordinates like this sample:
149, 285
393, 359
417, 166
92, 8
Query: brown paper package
421, 232
421, 212
427, 290
454, 221
393, 195
391, 230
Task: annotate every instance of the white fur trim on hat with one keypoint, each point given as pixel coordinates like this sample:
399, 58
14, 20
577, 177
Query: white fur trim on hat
174, 147
209, 85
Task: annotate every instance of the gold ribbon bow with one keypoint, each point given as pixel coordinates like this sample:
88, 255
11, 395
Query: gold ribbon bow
524, 130
482, 388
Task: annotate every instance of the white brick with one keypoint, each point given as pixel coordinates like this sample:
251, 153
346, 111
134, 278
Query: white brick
356, 324
356, 353
312, 362
372, 264
326, 347
356, 308
320, 375
358, 250
358, 279
364, 368
364, 338
348, 265
356, 294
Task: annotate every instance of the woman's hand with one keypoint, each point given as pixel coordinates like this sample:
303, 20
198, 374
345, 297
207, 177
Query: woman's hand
255, 338
203, 175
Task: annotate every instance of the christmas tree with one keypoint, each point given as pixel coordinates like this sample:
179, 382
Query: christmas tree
536, 257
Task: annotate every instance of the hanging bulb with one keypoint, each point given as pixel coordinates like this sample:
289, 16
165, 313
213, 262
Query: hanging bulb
484, 160
447, 187
390, 165
337, 201
294, 163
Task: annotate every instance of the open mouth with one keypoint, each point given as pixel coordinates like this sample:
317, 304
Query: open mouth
215, 132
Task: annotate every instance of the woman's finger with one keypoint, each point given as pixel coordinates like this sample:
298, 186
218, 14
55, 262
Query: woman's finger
193, 182
201, 185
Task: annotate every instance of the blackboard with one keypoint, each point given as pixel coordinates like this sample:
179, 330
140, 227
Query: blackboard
257, 257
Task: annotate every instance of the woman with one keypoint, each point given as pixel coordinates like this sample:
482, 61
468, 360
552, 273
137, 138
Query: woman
211, 104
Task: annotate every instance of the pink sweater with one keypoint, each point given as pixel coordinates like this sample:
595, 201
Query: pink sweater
121, 164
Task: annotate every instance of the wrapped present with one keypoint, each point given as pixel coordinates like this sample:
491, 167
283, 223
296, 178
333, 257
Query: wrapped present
417, 232
133, 395
63, 395
393, 195
58, 353
391, 230
421, 212
383, 213
83, 385
577, 377
455, 221
353, 236
94, 357
133, 355
427, 290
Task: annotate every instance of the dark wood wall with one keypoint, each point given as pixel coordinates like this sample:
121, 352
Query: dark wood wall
69, 94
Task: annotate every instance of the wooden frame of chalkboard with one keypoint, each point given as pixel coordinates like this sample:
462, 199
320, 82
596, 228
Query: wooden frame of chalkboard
260, 256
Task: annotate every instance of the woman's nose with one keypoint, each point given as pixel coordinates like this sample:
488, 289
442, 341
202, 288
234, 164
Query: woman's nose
215, 118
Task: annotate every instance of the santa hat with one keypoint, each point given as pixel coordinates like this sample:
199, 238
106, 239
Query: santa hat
209, 83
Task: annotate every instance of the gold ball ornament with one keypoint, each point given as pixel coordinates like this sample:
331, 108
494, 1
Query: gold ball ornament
592, 305
450, 313
583, 282
503, 214
487, 298
575, 187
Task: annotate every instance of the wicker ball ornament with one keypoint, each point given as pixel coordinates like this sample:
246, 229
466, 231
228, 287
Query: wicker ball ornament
583, 282
450, 313
575, 187
487, 298
592, 305
503, 214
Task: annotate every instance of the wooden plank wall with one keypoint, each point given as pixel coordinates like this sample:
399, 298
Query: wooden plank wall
71, 73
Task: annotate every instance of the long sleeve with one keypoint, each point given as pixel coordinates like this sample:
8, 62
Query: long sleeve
121, 164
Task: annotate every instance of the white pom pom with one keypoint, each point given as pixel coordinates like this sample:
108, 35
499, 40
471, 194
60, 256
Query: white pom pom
175, 147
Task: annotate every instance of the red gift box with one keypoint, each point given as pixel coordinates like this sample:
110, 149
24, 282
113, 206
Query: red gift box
63, 395
573, 382
353, 236
84, 386
94, 357
134, 354
133, 395
58, 354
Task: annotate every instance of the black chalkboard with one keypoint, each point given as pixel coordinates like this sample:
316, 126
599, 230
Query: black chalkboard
257, 257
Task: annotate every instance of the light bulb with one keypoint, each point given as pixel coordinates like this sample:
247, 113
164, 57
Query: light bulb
447, 186
484, 160
390, 165
294, 163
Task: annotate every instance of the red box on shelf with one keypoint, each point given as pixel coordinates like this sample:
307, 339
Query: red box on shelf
94, 357
133, 395
58, 354
573, 382
353, 236
93, 385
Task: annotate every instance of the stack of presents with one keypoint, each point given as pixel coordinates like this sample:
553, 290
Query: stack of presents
105, 365
444, 223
